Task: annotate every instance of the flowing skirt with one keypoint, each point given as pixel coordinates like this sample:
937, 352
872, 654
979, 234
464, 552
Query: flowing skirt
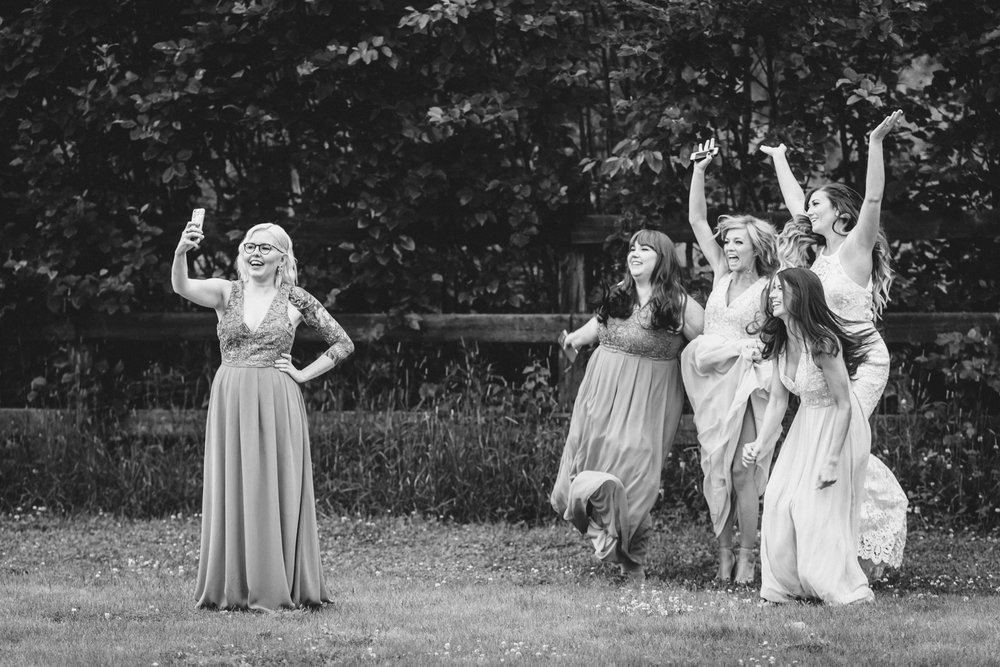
259, 542
720, 387
621, 431
882, 536
809, 536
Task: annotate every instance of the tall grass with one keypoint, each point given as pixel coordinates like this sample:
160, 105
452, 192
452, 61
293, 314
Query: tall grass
455, 435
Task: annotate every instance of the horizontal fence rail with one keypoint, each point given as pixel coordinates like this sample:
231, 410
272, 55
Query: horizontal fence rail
914, 328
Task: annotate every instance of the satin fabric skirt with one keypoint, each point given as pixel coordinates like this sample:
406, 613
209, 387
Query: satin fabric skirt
809, 536
623, 425
259, 542
721, 388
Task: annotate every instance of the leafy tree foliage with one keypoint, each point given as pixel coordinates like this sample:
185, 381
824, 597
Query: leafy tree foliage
429, 155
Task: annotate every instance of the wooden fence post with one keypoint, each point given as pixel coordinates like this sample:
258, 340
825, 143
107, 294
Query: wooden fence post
572, 299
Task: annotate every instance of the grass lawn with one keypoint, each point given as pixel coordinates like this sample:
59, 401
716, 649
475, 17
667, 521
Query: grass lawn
97, 590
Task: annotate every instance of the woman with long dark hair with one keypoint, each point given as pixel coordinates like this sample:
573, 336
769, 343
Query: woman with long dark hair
629, 404
724, 376
809, 525
837, 233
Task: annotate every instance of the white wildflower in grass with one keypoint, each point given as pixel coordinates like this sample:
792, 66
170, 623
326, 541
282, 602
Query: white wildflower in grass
651, 602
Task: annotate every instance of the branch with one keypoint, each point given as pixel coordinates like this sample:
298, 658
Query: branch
648, 8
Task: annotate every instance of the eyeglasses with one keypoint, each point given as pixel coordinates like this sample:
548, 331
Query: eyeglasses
264, 248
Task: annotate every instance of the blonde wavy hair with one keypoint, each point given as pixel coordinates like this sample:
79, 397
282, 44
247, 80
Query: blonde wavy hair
288, 271
763, 239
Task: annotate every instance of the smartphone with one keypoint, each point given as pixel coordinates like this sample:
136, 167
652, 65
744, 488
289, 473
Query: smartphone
709, 149
570, 351
198, 217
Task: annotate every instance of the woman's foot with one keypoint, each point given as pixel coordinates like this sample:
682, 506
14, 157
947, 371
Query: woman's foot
746, 566
727, 562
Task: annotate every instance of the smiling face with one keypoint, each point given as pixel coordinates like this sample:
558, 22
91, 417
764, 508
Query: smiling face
261, 266
739, 250
777, 298
823, 215
641, 261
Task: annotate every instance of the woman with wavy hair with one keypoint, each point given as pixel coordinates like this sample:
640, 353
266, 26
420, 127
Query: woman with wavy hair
724, 376
809, 526
629, 404
837, 233
259, 540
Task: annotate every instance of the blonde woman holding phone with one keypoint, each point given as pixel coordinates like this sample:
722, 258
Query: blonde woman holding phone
726, 381
259, 541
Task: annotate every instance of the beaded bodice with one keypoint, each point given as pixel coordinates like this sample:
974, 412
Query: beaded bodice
731, 321
260, 347
809, 384
844, 296
634, 336
243, 346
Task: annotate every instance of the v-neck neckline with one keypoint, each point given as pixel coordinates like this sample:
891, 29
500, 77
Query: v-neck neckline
725, 297
243, 310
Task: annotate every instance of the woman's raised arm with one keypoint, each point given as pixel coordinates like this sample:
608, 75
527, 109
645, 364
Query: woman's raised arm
791, 191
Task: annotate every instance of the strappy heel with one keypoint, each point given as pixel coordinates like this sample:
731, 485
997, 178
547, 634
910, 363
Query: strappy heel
727, 564
746, 566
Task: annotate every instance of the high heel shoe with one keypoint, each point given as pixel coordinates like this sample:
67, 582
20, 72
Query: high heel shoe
746, 566
727, 563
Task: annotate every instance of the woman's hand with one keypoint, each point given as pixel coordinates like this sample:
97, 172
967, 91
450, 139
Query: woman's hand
284, 364
750, 349
190, 238
773, 151
828, 473
709, 150
750, 451
886, 126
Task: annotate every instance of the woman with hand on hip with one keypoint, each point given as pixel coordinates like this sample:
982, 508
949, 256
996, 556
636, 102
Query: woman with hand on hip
809, 526
628, 406
726, 381
838, 233
259, 542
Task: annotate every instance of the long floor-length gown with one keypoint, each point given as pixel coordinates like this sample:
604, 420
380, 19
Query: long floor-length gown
621, 430
259, 542
721, 387
808, 535
882, 528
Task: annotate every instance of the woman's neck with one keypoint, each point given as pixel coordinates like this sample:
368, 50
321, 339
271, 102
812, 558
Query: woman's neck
833, 241
643, 292
261, 285
745, 278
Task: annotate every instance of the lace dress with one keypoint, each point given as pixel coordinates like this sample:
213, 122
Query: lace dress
808, 535
259, 543
622, 428
882, 536
721, 383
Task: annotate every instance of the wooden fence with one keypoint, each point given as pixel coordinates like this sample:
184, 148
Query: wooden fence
578, 237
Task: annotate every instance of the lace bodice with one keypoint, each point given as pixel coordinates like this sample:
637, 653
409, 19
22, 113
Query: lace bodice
731, 321
633, 336
260, 347
809, 383
844, 296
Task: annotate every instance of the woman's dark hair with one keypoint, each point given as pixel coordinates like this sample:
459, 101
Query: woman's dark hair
667, 302
825, 331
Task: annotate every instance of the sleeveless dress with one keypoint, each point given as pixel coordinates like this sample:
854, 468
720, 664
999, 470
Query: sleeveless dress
622, 428
720, 387
808, 535
259, 543
882, 536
